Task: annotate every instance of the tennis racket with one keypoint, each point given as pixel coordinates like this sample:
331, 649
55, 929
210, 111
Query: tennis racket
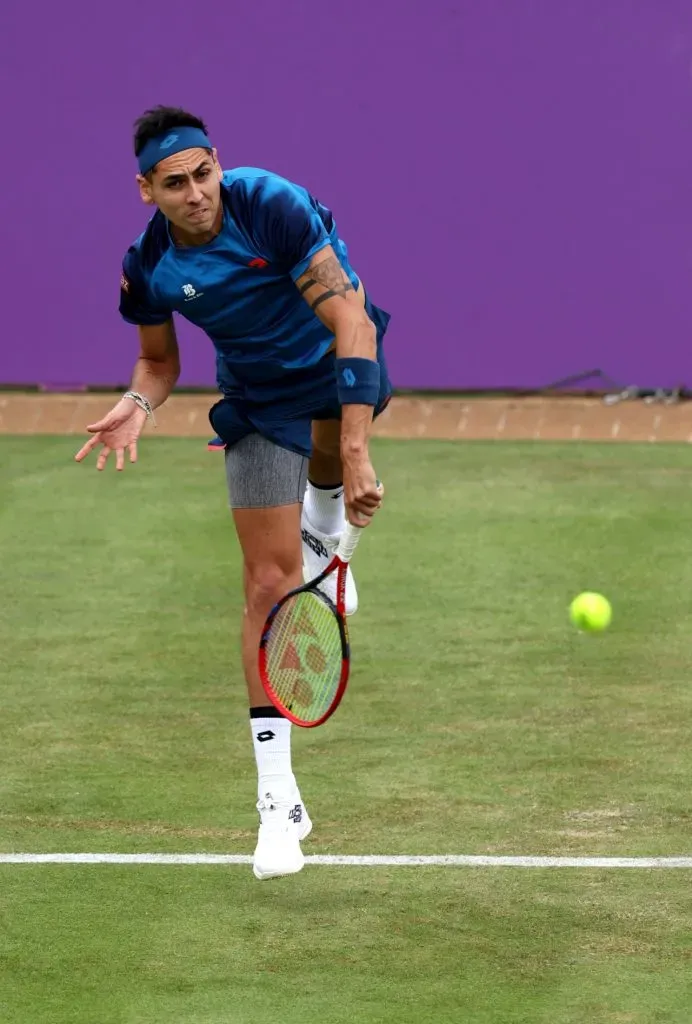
304, 652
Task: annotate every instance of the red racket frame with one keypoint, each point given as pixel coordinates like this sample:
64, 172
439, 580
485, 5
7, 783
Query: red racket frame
338, 611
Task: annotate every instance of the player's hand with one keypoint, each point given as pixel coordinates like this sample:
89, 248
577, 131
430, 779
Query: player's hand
117, 431
362, 491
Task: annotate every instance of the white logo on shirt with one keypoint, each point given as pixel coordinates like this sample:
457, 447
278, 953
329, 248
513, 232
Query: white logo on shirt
191, 293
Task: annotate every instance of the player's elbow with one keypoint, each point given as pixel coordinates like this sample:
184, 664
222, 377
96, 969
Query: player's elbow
174, 368
356, 336
167, 366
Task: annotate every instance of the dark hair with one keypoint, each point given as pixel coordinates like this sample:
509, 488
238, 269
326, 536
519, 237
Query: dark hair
162, 119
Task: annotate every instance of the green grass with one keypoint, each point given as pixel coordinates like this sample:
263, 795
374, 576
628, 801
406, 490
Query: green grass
477, 721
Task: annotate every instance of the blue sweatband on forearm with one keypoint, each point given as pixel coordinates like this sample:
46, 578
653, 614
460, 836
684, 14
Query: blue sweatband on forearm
358, 381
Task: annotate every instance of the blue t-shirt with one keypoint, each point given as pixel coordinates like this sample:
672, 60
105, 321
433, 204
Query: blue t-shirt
240, 287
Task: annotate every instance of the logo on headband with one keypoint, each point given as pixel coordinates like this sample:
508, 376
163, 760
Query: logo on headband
168, 141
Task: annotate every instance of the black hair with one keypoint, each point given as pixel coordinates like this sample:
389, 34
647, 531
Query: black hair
162, 119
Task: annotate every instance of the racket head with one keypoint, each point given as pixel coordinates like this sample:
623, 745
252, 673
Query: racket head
305, 656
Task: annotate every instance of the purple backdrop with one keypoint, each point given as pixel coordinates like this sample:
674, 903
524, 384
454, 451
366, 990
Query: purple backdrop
512, 176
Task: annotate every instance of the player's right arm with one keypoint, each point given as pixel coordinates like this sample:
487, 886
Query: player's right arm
155, 374
158, 367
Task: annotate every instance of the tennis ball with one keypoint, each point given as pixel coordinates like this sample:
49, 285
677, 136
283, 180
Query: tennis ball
591, 612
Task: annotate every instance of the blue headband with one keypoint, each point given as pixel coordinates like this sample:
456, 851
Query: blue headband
172, 142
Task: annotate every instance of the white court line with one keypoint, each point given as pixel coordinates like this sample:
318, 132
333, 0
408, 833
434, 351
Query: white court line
444, 861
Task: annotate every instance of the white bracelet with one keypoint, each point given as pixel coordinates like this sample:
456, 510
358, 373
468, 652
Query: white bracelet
143, 403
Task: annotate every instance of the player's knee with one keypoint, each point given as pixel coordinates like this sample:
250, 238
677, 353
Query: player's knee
266, 583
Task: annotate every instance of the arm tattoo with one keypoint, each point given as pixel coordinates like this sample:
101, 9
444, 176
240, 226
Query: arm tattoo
330, 275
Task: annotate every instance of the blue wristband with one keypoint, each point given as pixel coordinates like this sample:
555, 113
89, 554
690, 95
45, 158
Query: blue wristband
358, 381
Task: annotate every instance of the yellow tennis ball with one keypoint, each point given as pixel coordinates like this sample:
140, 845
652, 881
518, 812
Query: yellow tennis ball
591, 612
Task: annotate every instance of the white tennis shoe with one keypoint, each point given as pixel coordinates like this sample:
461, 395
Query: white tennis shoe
283, 824
318, 550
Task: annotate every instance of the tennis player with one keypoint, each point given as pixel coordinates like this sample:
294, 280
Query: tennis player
256, 262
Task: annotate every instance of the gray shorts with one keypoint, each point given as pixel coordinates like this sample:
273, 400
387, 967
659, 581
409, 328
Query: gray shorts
260, 474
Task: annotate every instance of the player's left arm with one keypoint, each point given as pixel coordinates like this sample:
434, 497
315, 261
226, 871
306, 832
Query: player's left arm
328, 291
290, 232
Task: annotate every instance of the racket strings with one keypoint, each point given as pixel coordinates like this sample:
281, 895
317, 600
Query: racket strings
304, 655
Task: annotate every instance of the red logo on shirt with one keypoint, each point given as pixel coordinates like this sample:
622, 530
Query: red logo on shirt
259, 262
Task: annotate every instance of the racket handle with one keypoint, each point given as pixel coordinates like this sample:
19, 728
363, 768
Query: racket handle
349, 541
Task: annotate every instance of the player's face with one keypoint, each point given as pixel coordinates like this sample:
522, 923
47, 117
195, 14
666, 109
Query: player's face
186, 187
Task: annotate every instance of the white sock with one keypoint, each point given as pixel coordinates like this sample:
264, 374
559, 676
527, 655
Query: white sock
324, 508
271, 738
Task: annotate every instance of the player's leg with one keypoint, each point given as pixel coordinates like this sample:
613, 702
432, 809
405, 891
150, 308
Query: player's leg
324, 494
325, 462
272, 565
266, 483
324, 517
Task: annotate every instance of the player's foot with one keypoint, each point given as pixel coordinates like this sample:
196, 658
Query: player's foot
284, 823
216, 445
318, 550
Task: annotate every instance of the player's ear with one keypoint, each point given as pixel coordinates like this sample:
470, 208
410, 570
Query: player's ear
217, 165
145, 190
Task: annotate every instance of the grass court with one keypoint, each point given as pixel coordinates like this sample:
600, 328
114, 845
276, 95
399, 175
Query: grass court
477, 721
